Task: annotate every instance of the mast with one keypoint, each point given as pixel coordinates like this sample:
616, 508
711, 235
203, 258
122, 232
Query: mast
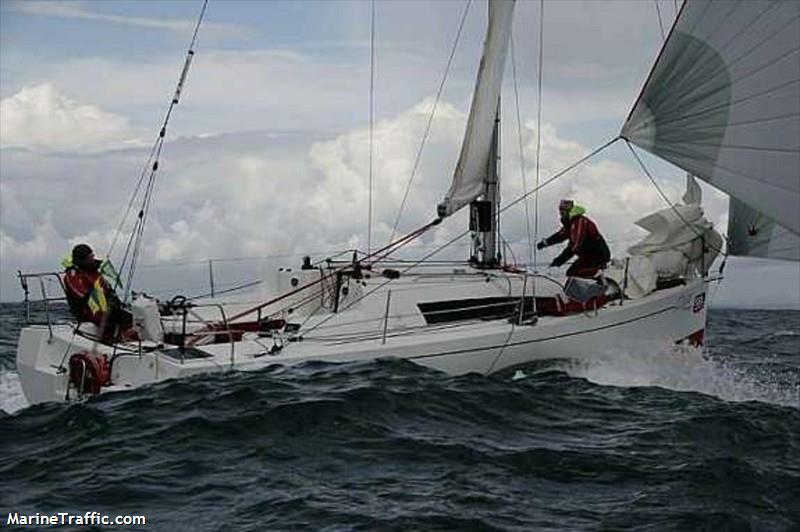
485, 236
484, 218
476, 180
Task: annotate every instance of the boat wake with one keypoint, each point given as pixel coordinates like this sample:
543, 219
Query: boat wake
688, 370
12, 399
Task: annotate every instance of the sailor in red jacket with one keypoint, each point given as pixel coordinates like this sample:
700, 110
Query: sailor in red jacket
585, 241
90, 297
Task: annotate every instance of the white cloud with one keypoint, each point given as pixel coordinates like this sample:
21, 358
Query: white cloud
592, 69
264, 194
79, 10
252, 194
40, 118
40, 251
230, 91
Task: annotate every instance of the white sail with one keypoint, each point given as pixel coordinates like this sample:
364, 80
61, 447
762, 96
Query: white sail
752, 234
723, 102
472, 168
681, 238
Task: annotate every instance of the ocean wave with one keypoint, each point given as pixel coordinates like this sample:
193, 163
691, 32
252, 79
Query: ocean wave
671, 441
12, 399
691, 370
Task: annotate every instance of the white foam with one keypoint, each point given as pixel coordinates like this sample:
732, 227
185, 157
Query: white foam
11, 397
687, 370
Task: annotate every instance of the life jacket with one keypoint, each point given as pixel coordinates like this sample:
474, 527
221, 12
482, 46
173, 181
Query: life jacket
88, 292
97, 297
86, 295
106, 269
586, 239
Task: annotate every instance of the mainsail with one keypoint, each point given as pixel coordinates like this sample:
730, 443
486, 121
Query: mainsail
723, 102
473, 163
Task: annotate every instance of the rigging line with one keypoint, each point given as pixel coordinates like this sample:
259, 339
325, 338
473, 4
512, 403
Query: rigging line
292, 306
384, 283
312, 313
461, 235
521, 153
559, 174
128, 249
131, 201
143, 213
133, 245
389, 248
371, 119
386, 250
227, 290
510, 250
538, 136
660, 24
671, 205
168, 264
430, 119
158, 146
502, 347
155, 144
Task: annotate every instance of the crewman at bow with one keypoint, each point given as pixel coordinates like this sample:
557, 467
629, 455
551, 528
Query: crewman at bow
585, 242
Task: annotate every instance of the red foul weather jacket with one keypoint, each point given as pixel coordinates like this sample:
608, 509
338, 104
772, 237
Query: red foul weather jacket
586, 242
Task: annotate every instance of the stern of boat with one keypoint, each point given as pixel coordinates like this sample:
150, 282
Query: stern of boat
42, 372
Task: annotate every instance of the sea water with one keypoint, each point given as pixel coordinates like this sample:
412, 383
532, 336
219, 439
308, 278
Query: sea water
692, 440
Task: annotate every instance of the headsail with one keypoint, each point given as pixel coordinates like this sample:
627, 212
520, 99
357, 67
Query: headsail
752, 234
723, 102
680, 239
472, 168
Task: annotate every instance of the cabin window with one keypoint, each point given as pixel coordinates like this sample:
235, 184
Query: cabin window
481, 308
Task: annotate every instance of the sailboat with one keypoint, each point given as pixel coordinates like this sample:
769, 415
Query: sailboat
722, 102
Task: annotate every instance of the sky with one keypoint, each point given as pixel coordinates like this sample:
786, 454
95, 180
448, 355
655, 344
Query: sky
267, 153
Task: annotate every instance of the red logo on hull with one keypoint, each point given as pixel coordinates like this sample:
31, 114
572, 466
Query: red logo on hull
699, 303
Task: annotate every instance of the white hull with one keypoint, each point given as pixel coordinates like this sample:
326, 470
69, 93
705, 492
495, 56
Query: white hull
653, 323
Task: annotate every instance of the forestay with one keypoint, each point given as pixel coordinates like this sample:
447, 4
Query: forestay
472, 168
723, 102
